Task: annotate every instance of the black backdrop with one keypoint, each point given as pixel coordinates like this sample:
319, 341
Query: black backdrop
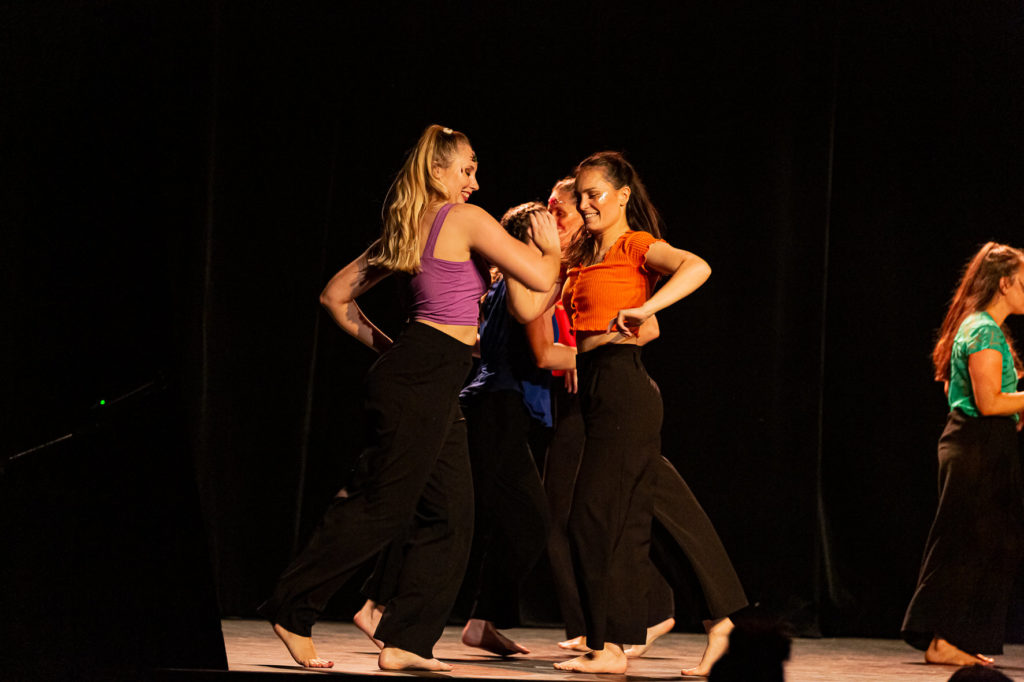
180, 179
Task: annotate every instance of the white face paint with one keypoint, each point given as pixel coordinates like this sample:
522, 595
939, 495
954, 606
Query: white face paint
598, 200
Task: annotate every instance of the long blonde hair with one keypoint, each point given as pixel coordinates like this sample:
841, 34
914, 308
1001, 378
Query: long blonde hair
398, 247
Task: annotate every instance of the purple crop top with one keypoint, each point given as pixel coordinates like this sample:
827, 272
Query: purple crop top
445, 291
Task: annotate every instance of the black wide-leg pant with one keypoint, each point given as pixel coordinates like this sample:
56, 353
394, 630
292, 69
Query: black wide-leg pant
681, 531
561, 465
974, 547
413, 482
610, 520
511, 515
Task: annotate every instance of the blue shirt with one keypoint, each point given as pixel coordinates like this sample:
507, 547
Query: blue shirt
506, 361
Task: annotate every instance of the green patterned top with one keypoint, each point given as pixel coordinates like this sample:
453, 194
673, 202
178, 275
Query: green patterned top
977, 332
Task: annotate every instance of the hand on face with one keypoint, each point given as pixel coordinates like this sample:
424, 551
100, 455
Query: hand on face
544, 232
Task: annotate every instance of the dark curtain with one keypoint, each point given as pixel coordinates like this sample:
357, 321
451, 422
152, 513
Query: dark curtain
185, 177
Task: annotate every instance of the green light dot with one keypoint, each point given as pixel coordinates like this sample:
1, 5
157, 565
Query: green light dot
103, 402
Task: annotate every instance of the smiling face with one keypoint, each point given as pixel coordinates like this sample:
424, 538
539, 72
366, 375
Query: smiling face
567, 219
601, 205
459, 178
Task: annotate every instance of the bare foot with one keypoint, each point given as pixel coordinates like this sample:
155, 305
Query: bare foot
610, 659
393, 658
302, 649
483, 635
575, 644
653, 633
718, 643
367, 618
943, 653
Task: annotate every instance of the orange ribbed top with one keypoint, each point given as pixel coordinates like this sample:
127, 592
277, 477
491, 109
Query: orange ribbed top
595, 294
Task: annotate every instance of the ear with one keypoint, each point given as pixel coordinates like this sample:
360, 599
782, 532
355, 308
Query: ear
436, 171
624, 194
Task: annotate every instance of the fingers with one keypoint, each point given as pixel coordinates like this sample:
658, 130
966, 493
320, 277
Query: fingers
544, 231
620, 324
571, 382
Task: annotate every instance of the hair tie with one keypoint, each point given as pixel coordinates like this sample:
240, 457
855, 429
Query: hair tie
447, 131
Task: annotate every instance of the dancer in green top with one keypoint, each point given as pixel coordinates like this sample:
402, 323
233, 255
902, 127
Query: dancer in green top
958, 612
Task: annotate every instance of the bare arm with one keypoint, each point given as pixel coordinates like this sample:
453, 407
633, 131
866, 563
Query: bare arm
648, 331
687, 272
339, 297
515, 259
546, 353
527, 305
986, 370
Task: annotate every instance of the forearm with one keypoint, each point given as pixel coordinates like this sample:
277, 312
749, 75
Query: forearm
684, 281
538, 276
557, 356
525, 304
1000, 404
353, 321
339, 297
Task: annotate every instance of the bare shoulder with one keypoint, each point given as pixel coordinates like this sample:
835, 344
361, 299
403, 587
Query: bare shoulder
469, 214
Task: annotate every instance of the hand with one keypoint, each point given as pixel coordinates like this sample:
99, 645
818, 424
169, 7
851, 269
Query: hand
571, 385
544, 232
628, 321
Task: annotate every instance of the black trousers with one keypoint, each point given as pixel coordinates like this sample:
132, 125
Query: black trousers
610, 519
681, 531
413, 482
974, 547
510, 513
561, 465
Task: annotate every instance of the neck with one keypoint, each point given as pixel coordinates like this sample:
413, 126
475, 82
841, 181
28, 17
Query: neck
608, 237
998, 309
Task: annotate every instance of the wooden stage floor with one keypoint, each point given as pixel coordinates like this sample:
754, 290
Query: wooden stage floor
252, 647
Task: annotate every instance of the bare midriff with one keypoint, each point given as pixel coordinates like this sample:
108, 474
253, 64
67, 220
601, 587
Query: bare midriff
590, 340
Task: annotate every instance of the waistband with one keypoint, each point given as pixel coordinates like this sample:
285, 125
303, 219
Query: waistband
425, 336
609, 354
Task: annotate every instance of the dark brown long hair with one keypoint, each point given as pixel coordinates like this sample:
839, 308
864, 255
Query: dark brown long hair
640, 212
978, 285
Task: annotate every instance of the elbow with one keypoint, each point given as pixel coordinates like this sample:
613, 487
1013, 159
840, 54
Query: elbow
988, 406
331, 300
705, 270
987, 410
545, 361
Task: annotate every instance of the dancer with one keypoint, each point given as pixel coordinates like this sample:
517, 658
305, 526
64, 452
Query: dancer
681, 530
958, 612
553, 345
414, 477
511, 517
613, 267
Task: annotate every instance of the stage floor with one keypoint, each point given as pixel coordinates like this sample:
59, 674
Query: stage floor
252, 647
